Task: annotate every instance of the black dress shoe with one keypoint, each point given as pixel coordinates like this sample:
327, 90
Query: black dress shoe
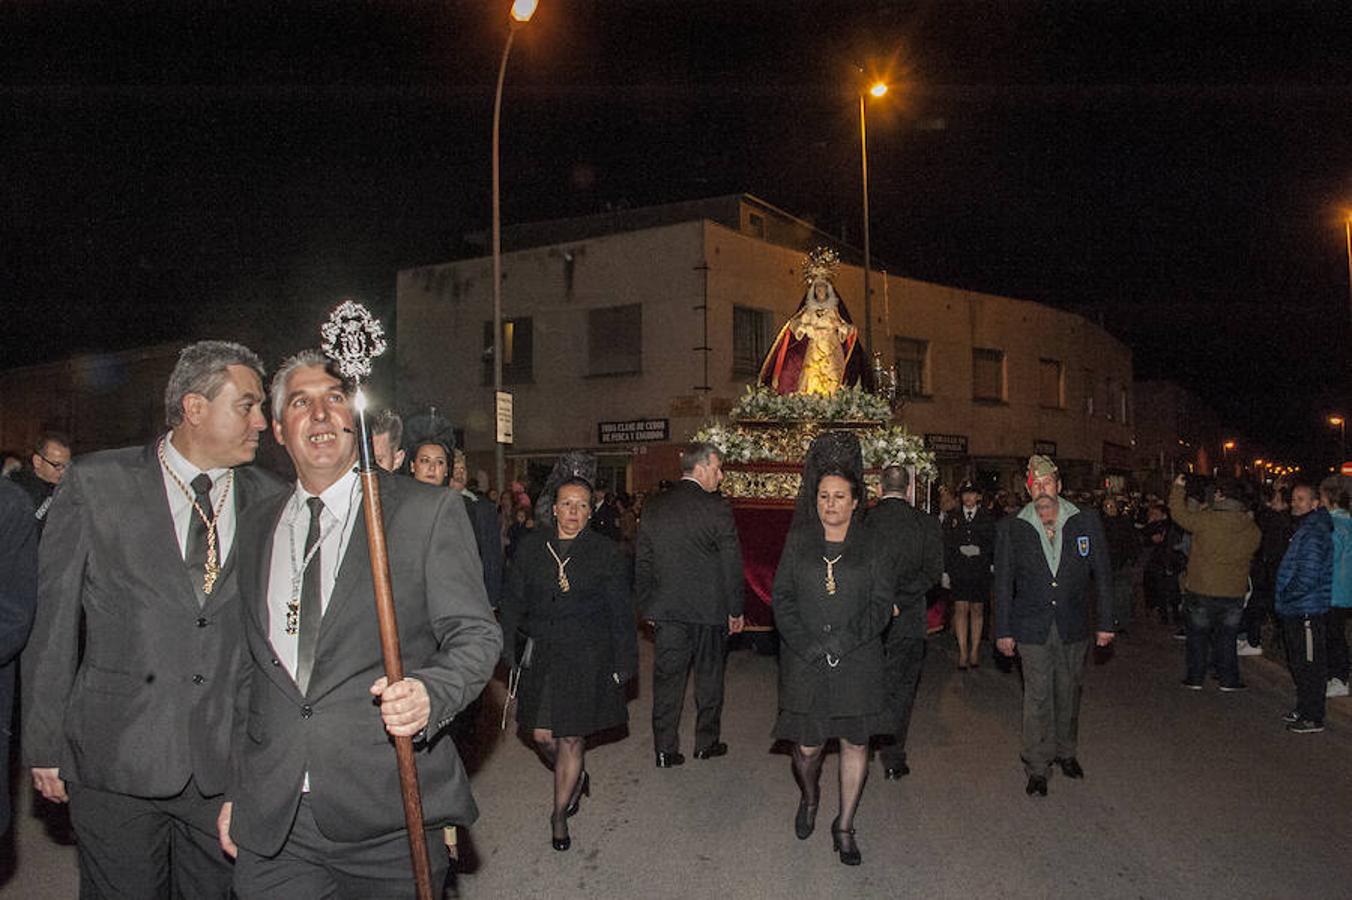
667, 760
805, 821
842, 841
716, 749
558, 837
1037, 784
583, 787
1070, 767
895, 773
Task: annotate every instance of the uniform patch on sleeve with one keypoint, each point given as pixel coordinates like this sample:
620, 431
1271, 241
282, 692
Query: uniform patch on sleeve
1082, 544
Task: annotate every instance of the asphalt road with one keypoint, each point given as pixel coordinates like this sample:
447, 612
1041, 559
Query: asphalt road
1188, 795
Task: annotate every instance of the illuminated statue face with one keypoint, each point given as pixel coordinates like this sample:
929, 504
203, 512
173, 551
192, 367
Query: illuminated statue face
822, 296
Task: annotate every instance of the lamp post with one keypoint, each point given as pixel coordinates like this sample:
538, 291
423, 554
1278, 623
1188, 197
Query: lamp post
521, 12
877, 89
1347, 230
1340, 423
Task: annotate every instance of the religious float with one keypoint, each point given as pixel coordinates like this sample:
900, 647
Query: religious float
816, 377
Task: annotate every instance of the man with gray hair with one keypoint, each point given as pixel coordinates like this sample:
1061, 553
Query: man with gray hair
135, 730
688, 577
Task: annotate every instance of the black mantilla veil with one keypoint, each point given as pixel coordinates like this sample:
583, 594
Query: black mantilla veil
429, 428
574, 464
831, 453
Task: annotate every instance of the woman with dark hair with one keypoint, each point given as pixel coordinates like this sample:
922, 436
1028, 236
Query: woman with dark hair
566, 607
832, 599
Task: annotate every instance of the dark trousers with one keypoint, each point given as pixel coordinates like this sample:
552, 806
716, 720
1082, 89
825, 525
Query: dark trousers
310, 866
1161, 593
679, 647
1052, 675
1213, 636
1255, 615
903, 662
1306, 654
1337, 642
134, 847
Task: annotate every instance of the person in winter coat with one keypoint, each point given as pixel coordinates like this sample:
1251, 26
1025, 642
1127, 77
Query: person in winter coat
1333, 496
1304, 593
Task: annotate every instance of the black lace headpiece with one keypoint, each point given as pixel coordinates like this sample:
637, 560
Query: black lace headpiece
831, 453
429, 428
574, 464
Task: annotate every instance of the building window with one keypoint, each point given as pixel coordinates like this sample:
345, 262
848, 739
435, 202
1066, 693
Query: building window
1051, 386
752, 332
615, 340
1109, 395
988, 374
1089, 393
757, 223
1123, 404
912, 363
518, 352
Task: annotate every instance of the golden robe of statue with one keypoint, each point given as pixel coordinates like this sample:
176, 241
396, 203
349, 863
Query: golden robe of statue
817, 351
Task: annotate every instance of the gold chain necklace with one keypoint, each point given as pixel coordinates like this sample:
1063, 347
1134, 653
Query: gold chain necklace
213, 566
831, 573
562, 563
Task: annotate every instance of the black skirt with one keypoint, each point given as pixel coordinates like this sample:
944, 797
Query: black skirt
811, 730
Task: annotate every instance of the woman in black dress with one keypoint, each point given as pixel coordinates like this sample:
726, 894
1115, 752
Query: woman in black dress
567, 590
832, 599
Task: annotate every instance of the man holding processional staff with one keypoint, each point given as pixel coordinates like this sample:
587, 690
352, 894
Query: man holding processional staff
316, 798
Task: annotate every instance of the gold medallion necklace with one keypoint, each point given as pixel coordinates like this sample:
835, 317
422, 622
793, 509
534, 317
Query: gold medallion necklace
562, 564
213, 566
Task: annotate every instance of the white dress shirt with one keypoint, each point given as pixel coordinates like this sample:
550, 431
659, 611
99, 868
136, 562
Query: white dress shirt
342, 506
180, 503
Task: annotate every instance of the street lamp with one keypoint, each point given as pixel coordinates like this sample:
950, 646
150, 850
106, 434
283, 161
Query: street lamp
877, 89
1347, 230
521, 12
1341, 424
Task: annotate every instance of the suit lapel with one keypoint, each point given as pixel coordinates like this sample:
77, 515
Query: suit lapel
354, 573
270, 516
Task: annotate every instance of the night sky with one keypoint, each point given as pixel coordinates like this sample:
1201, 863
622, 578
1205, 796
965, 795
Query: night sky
1177, 170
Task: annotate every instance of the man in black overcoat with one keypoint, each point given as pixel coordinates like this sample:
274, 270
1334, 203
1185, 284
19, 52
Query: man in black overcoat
1044, 558
141, 545
914, 540
688, 574
315, 807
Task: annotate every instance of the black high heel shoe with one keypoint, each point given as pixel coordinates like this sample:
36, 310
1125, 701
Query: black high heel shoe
805, 821
842, 841
583, 787
555, 825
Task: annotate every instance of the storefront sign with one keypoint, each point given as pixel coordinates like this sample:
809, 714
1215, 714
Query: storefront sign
504, 410
632, 432
947, 444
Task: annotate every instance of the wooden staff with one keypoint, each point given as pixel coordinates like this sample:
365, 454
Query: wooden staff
389, 648
351, 338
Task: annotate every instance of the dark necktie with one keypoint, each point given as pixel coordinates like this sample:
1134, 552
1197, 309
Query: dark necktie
311, 600
196, 556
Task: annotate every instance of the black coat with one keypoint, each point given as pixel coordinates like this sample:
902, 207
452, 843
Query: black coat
18, 599
1029, 596
584, 637
969, 577
916, 547
689, 560
847, 625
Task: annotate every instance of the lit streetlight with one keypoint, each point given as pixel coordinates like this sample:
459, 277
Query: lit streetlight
1347, 230
1341, 424
877, 89
521, 12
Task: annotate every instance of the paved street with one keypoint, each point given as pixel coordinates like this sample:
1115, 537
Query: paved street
1187, 795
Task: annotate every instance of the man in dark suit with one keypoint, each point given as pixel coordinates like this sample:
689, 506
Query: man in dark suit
1044, 558
140, 544
918, 559
688, 576
18, 599
315, 806
969, 551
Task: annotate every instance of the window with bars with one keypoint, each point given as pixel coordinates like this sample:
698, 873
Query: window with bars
988, 374
615, 340
912, 362
1051, 392
752, 332
518, 352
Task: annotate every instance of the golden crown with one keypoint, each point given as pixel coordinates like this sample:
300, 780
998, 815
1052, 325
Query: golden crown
820, 263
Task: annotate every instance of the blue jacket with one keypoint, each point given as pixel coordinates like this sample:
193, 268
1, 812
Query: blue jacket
1342, 558
1305, 577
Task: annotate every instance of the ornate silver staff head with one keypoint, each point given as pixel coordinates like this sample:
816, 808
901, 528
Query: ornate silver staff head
352, 338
